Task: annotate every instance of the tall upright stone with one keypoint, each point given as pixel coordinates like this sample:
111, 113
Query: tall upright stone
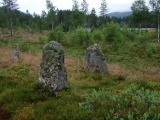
53, 73
94, 60
15, 52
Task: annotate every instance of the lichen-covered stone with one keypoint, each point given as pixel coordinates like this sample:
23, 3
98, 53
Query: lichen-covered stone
53, 73
94, 60
15, 52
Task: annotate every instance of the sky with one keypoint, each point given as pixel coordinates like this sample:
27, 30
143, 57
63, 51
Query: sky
38, 5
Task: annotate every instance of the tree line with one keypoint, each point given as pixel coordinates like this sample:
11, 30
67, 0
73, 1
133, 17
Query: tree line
12, 17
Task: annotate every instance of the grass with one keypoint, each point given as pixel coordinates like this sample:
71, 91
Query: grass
89, 95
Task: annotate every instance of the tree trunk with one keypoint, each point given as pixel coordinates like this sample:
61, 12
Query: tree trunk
158, 27
11, 29
140, 29
52, 24
11, 26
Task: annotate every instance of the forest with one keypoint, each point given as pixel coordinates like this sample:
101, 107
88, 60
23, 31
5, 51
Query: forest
130, 46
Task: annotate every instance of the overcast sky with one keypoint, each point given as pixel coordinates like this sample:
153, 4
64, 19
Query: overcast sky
38, 5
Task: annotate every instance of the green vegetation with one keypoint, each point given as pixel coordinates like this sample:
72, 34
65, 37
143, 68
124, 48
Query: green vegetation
131, 91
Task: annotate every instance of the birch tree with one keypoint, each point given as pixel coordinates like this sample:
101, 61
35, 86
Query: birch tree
140, 12
51, 12
156, 8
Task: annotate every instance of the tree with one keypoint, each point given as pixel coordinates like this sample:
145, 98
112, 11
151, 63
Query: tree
51, 12
84, 6
75, 5
77, 19
156, 7
84, 9
140, 12
93, 18
43, 19
3, 17
103, 10
11, 5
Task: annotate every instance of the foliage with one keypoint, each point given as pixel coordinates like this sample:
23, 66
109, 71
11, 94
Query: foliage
42, 39
129, 34
103, 8
84, 6
19, 70
97, 35
56, 34
89, 95
24, 46
137, 102
75, 6
11, 5
4, 42
140, 11
80, 37
113, 34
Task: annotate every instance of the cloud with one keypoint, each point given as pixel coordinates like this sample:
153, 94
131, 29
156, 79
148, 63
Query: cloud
39, 5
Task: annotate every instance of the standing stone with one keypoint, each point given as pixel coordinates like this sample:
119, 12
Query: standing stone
94, 60
15, 53
53, 73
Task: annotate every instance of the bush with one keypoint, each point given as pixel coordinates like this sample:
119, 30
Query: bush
149, 51
56, 34
142, 39
80, 37
113, 33
129, 34
97, 35
4, 42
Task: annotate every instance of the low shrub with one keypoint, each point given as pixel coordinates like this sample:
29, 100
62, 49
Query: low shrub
19, 70
145, 37
42, 39
24, 46
129, 34
136, 101
4, 42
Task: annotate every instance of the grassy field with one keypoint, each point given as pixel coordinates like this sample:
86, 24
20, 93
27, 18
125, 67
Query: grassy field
131, 91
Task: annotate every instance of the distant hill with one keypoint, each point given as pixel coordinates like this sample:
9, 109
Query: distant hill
119, 14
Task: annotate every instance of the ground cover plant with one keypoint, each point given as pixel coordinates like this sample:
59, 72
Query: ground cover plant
131, 90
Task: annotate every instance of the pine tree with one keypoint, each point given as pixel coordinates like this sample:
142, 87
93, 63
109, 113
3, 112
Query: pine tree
103, 11
103, 8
